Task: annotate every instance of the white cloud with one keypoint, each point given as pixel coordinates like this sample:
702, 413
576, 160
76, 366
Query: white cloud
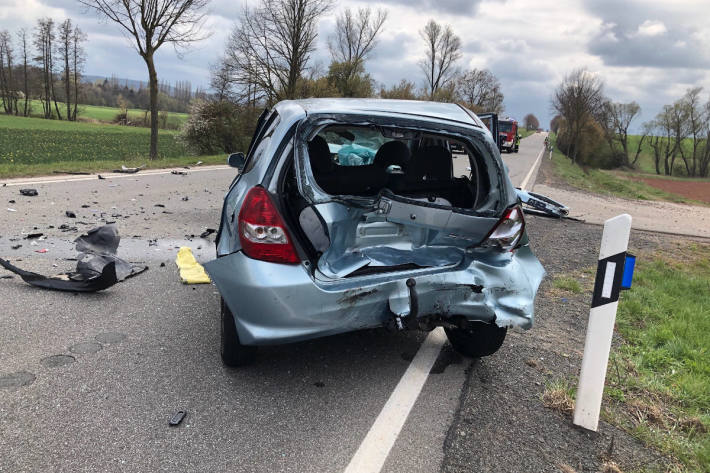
651, 28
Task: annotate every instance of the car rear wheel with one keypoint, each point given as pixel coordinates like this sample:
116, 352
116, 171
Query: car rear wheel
477, 340
232, 351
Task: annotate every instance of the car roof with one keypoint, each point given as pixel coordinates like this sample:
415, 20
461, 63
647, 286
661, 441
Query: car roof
412, 108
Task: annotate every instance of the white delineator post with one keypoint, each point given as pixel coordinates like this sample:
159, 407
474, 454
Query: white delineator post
600, 326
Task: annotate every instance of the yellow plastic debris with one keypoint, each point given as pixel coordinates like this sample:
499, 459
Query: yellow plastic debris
191, 272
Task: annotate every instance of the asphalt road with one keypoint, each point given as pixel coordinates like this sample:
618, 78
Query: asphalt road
88, 382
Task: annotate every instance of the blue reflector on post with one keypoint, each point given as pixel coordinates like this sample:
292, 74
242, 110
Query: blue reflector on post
629, 264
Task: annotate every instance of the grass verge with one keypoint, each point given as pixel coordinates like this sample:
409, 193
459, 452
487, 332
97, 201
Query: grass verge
607, 182
658, 383
43, 169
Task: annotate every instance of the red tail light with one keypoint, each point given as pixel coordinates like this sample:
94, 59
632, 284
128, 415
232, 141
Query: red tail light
262, 231
508, 231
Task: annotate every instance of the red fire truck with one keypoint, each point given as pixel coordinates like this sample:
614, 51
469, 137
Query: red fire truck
509, 138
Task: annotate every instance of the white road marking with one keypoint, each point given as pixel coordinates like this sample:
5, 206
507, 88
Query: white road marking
93, 177
530, 172
374, 449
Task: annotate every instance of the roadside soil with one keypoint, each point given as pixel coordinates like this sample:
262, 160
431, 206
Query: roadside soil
696, 190
502, 424
656, 216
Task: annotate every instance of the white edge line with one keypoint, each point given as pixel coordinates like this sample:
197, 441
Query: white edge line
374, 449
530, 172
109, 176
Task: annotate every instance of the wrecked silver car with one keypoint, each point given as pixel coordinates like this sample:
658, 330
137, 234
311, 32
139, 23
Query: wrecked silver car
347, 214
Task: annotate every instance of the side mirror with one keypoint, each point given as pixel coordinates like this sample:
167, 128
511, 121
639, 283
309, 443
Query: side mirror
237, 160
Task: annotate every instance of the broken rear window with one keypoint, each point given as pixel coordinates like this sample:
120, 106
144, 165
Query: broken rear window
365, 160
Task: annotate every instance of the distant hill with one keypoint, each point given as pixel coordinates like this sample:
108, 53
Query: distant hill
130, 83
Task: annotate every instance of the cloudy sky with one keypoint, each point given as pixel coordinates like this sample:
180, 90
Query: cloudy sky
649, 51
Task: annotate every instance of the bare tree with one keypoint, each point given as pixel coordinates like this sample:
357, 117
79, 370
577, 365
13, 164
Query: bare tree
577, 99
269, 50
615, 120
149, 24
22, 38
44, 42
7, 84
480, 91
443, 50
78, 59
66, 30
696, 121
531, 122
355, 37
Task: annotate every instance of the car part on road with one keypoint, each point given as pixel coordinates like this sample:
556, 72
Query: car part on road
179, 173
125, 170
70, 214
191, 272
542, 205
97, 266
29, 192
177, 418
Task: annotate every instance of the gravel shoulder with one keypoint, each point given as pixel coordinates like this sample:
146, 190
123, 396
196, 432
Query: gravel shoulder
656, 216
502, 424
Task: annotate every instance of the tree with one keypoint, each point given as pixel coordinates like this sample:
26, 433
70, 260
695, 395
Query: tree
268, 51
577, 99
531, 122
354, 39
78, 60
349, 82
22, 37
443, 50
150, 24
696, 121
44, 42
66, 31
7, 84
480, 91
405, 90
615, 120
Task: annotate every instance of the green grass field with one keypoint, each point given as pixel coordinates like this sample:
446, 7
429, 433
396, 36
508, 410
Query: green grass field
661, 392
607, 182
107, 114
524, 132
31, 146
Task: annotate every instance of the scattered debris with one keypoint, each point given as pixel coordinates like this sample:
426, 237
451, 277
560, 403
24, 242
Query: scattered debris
125, 170
70, 214
31, 236
178, 173
198, 163
11, 210
191, 272
162, 265
29, 192
85, 206
16, 247
177, 418
43, 250
207, 232
97, 267
7, 276
185, 199
159, 205
101, 177
10, 201
66, 228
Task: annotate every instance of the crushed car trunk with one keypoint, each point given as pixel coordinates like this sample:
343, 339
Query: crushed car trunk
379, 196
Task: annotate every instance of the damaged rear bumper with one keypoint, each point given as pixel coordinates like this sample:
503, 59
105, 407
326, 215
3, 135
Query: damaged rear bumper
275, 303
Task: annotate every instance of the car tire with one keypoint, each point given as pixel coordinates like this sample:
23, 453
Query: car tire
477, 340
232, 351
